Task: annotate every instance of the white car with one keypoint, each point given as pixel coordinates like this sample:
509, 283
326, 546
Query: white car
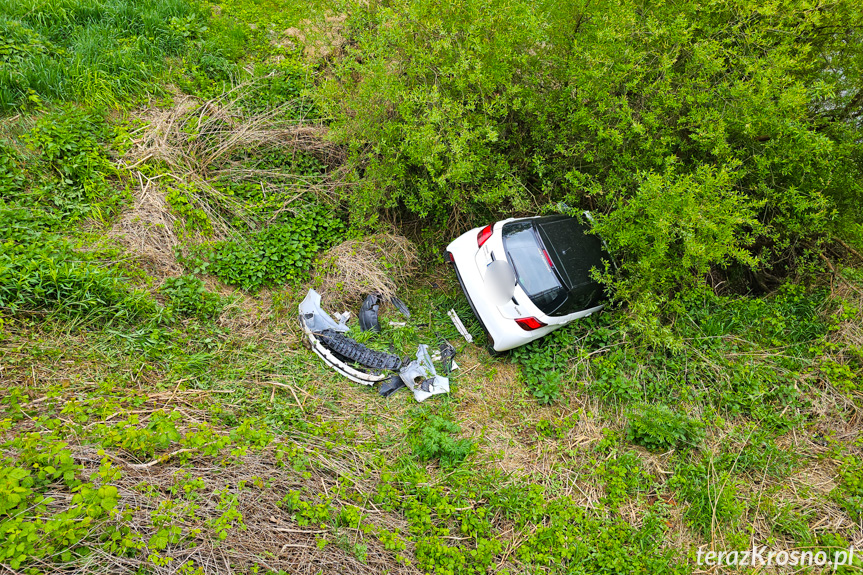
542, 283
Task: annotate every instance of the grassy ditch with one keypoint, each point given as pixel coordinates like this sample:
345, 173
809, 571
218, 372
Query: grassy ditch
170, 188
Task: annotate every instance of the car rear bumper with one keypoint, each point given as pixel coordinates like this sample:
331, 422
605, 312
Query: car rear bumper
503, 332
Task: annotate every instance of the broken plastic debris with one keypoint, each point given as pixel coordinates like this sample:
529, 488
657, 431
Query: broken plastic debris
459, 325
314, 318
369, 314
390, 386
357, 352
343, 318
315, 323
445, 353
437, 357
326, 338
421, 378
400, 305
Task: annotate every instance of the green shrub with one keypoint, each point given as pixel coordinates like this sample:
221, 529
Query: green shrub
188, 296
705, 138
659, 428
434, 439
671, 231
280, 253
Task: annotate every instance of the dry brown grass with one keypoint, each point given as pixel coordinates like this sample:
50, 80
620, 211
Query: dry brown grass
201, 136
320, 39
147, 230
193, 144
372, 264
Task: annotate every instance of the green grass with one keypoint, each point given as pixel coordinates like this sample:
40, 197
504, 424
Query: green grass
101, 52
152, 420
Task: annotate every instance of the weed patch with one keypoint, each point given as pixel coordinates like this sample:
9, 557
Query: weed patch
188, 296
659, 428
281, 253
434, 439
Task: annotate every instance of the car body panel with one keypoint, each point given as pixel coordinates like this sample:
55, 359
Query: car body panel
498, 321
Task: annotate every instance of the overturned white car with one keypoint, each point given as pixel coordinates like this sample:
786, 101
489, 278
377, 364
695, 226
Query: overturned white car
526, 277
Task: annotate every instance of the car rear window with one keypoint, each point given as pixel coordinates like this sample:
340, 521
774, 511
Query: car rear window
568, 287
532, 270
572, 251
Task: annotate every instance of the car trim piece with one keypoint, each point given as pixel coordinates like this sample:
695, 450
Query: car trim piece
314, 320
456, 320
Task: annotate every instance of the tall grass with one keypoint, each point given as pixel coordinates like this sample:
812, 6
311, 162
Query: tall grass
99, 51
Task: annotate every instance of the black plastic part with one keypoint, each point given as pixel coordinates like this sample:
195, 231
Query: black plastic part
390, 386
357, 352
447, 353
369, 314
400, 305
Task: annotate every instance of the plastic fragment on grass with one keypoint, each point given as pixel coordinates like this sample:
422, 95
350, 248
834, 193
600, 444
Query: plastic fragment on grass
350, 349
421, 377
316, 319
368, 315
400, 305
446, 354
390, 386
459, 325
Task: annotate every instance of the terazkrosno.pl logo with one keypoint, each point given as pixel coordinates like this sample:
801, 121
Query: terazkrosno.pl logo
763, 557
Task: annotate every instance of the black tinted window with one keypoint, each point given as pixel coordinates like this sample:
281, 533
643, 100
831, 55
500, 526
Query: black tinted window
568, 287
534, 274
572, 251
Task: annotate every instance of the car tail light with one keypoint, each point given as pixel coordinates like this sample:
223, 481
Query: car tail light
529, 323
548, 259
483, 236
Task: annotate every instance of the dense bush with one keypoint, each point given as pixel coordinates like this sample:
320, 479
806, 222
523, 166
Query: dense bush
703, 136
